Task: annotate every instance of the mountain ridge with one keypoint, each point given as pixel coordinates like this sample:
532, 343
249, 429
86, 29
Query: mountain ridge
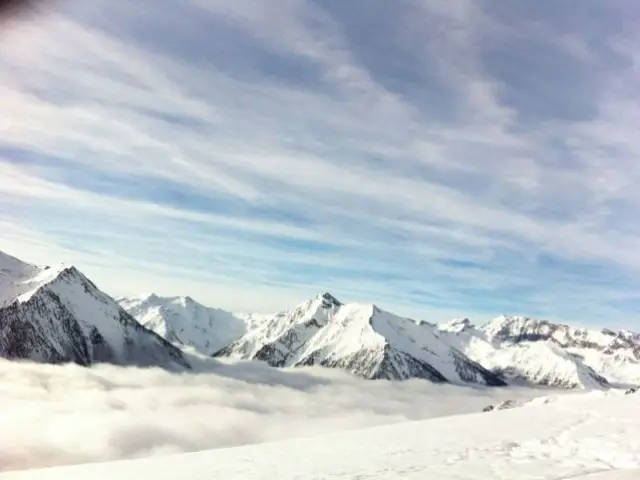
58, 315
298, 337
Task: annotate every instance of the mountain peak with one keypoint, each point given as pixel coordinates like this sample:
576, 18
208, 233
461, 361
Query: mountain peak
58, 315
457, 325
328, 299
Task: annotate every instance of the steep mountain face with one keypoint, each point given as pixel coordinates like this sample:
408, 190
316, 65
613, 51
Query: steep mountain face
374, 344
544, 353
545, 364
614, 355
183, 321
361, 339
57, 315
520, 329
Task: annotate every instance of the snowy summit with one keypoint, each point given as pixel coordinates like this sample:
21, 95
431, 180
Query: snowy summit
57, 315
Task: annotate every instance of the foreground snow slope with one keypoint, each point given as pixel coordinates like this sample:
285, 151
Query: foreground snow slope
589, 436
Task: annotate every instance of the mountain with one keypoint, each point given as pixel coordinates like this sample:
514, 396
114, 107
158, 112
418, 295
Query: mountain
57, 315
524, 350
361, 339
614, 355
183, 321
373, 344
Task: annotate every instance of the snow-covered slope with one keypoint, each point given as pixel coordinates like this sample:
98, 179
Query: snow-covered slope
540, 362
582, 437
543, 363
361, 339
183, 321
56, 315
375, 344
614, 355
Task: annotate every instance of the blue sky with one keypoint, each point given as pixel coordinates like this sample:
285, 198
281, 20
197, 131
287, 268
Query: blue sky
437, 158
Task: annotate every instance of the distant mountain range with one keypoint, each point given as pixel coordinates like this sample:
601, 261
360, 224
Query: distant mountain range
57, 315
375, 344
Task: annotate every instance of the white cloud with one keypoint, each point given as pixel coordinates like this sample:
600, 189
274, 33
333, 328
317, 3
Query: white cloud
361, 165
53, 415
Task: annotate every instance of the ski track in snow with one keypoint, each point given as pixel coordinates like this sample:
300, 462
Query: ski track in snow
588, 437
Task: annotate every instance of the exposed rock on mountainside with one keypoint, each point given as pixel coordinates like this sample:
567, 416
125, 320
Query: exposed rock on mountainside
361, 339
57, 315
183, 321
522, 360
374, 344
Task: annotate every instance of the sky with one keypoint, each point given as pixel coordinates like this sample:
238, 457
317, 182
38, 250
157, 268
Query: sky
437, 158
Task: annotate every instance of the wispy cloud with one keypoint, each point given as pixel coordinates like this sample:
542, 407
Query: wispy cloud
439, 158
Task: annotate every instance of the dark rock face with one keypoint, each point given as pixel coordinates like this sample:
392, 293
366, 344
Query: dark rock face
386, 362
506, 405
552, 380
55, 338
329, 301
44, 329
468, 370
396, 364
631, 390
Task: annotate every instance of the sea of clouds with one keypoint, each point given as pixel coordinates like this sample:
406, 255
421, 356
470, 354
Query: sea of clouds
53, 415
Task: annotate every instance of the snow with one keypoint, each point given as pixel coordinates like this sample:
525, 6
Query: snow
65, 414
421, 341
183, 321
614, 355
360, 338
123, 412
543, 363
354, 336
545, 354
58, 315
586, 436
621, 369
19, 280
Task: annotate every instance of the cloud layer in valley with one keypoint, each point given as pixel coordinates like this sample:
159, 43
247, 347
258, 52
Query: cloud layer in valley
54, 415
441, 158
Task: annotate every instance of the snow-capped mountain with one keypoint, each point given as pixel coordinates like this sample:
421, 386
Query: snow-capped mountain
361, 339
545, 353
614, 355
372, 343
57, 315
183, 321
505, 329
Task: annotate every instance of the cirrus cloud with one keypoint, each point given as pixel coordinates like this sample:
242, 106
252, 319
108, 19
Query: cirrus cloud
439, 158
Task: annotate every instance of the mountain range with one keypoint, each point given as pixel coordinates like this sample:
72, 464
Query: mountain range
57, 315
374, 344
